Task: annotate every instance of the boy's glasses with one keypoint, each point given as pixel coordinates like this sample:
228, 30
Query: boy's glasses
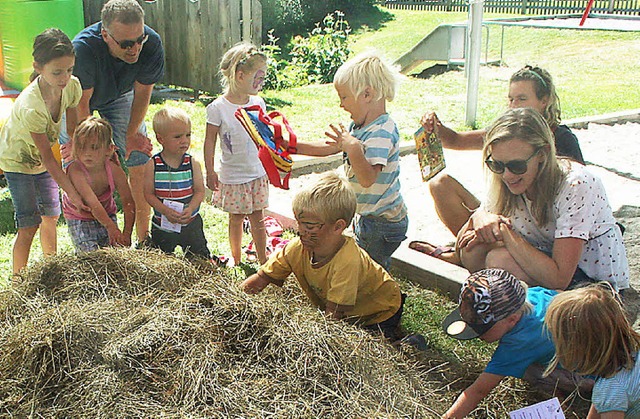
310, 227
128, 43
517, 167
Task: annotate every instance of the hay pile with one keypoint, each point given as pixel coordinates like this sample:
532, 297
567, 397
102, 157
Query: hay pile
129, 333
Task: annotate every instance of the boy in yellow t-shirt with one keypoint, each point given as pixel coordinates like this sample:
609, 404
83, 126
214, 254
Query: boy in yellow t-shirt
338, 276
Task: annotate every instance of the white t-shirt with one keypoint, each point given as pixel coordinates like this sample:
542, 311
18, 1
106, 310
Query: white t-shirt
239, 162
580, 210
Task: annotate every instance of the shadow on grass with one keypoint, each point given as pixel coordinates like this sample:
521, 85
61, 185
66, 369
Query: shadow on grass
7, 224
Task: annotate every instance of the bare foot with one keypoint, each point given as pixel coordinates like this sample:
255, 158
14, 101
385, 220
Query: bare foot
446, 253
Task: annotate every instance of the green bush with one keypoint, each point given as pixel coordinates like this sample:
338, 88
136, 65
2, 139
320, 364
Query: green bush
313, 59
289, 18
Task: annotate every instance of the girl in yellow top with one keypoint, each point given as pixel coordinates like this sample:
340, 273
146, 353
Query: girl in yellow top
32, 172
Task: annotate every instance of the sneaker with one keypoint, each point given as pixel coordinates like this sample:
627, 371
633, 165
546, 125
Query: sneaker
416, 340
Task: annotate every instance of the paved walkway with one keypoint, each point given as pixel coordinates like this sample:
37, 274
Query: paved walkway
611, 151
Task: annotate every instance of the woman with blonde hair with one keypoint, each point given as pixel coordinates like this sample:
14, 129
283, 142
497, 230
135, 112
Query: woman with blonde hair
546, 220
592, 336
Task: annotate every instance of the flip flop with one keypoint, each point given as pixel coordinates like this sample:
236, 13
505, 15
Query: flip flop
429, 249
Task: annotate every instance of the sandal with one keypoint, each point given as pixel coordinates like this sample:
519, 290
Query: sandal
429, 249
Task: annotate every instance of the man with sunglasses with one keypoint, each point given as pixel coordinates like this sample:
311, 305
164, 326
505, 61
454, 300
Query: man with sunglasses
118, 61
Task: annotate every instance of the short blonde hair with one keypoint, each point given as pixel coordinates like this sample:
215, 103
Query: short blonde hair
591, 332
166, 116
368, 70
331, 197
527, 125
243, 56
88, 129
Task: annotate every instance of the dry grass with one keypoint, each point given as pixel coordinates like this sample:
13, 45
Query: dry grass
138, 334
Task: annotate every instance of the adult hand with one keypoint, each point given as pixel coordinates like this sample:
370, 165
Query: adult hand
431, 123
212, 181
138, 142
487, 226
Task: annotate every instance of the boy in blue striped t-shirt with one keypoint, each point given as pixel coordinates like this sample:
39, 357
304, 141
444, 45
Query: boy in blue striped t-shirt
174, 187
370, 147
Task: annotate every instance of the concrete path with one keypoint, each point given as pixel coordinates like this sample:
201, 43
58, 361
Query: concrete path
613, 153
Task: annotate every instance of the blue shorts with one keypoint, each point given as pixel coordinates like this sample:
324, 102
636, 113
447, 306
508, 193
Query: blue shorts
118, 114
88, 235
33, 196
379, 237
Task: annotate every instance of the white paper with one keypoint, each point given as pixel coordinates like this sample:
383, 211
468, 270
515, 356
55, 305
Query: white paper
168, 225
548, 409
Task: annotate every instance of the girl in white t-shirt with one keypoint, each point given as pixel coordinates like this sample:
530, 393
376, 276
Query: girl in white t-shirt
32, 172
241, 186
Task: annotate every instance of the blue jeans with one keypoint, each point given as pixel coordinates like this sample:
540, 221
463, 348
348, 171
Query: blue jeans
33, 196
118, 114
379, 237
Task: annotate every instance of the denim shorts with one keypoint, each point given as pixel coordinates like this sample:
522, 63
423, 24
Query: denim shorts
33, 196
118, 114
88, 235
379, 237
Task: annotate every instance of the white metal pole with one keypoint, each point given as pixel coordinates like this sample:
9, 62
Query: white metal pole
472, 60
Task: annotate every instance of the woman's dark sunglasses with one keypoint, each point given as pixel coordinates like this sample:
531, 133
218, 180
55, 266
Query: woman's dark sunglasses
126, 44
517, 167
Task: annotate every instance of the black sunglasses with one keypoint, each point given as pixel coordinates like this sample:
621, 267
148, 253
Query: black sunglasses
126, 44
517, 167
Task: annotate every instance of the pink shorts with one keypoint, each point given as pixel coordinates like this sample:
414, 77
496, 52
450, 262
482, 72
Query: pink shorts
244, 198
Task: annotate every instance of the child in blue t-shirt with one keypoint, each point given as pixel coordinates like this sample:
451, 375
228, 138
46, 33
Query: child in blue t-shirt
496, 307
371, 153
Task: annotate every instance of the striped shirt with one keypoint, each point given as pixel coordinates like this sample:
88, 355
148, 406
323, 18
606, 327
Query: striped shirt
619, 393
380, 141
173, 184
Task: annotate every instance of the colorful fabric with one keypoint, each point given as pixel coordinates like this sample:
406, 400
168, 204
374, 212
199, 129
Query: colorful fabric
18, 151
173, 184
239, 162
380, 141
245, 198
350, 278
106, 198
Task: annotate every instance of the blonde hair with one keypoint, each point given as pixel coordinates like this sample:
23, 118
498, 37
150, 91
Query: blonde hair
544, 88
527, 125
166, 116
330, 197
590, 331
368, 70
90, 128
241, 57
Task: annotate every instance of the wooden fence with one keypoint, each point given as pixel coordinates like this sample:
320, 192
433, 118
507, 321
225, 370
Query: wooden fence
525, 7
195, 34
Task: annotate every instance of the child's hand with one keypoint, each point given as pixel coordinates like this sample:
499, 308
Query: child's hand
342, 139
116, 238
65, 152
173, 215
185, 216
212, 181
77, 202
430, 122
254, 284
